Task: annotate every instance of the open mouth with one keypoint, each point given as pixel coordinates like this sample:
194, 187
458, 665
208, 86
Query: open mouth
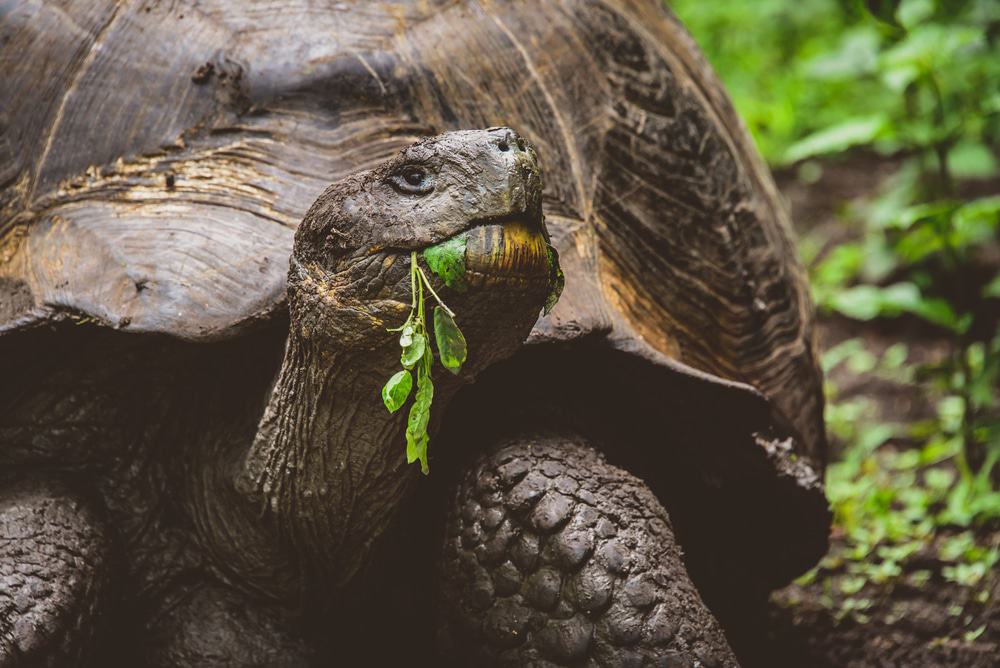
510, 250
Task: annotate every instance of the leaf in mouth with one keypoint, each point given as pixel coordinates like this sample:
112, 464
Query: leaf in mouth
447, 260
416, 357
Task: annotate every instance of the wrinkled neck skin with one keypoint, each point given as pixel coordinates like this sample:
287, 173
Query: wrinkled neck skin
326, 470
297, 514
326, 463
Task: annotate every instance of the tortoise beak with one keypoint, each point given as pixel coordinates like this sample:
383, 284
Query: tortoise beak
510, 249
514, 249
515, 246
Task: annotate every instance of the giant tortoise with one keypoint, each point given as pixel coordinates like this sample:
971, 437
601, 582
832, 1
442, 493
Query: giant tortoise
195, 464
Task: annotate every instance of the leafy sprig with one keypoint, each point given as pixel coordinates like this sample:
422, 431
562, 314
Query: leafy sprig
417, 359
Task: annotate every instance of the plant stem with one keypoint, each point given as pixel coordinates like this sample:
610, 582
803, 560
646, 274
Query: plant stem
941, 146
439, 301
968, 457
413, 280
420, 299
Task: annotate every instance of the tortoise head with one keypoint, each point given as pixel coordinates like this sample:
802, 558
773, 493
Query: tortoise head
469, 204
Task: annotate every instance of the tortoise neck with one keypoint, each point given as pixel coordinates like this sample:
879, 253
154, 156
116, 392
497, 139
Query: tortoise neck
326, 465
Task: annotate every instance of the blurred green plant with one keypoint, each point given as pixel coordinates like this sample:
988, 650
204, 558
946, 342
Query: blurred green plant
763, 50
816, 77
940, 63
904, 513
918, 80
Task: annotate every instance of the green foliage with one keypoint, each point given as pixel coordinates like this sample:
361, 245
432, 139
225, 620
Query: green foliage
919, 80
852, 132
447, 260
765, 52
933, 60
929, 248
417, 438
416, 356
414, 344
903, 491
866, 302
397, 390
894, 507
816, 77
451, 344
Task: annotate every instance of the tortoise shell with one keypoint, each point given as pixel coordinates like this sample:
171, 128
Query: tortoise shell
156, 159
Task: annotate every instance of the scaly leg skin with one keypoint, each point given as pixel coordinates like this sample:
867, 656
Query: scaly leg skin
553, 557
208, 625
54, 574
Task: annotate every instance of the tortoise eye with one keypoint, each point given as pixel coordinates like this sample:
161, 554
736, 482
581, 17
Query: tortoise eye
414, 176
412, 180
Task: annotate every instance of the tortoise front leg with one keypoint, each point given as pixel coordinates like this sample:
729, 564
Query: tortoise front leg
555, 557
54, 575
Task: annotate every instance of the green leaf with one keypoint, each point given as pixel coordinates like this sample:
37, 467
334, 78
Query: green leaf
855, 56
840, 266
907, 217
395, 392
447, 260
983, 212
899, 298
970, 230
991, 104
912, 12
972, 160
906, 298
414, 352
920, 242
406, 338
417, 421
851, 584
450, 341
416, 446
844, 350
866, 302
898, 77
863, 302
932, 46
973, 636
939, 312
895, 356
875, 436
844, 135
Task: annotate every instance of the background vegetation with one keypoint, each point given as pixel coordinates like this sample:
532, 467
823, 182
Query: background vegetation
905, 94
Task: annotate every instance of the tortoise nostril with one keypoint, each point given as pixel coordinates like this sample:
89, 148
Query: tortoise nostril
520, 143
503, 145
